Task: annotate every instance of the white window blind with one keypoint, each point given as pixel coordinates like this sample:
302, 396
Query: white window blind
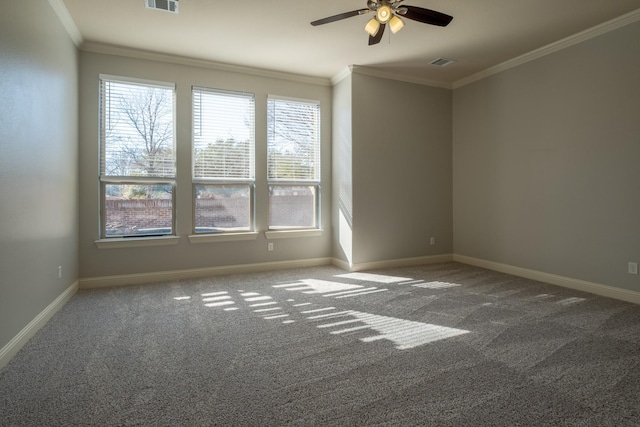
137, 130
293, 144
293, 163
223, 135
137, 157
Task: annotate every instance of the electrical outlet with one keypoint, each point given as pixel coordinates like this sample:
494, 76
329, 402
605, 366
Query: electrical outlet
59, 272
270, 246
633, 268
432, 241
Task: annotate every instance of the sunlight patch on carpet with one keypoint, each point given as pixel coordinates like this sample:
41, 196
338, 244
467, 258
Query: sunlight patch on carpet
315, 286
436, 285
220, 298
405, 334
372, 291
213, 294
219, 304
570, 301
379, 278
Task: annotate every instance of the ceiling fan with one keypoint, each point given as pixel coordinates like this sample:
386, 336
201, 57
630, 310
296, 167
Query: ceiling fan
389, 12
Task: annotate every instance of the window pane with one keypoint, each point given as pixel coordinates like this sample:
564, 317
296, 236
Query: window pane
293, 143
137, 130
223, 134
292, 206
138, 210
221, 208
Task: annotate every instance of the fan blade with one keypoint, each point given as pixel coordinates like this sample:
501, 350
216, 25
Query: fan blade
376, 39
427, 16
340, 16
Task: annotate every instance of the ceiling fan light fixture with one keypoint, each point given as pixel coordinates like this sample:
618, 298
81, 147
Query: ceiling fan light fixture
372, 27
395, 24
387, 12
384, 14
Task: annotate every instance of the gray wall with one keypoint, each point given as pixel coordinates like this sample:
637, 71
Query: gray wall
402, 169
96, 262
38, 162
342, 209
547, 162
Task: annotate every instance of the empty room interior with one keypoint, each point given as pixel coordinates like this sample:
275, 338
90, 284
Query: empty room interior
433, 220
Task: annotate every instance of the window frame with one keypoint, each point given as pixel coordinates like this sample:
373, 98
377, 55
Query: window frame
252, 216
250, 182
104, 179
274, 231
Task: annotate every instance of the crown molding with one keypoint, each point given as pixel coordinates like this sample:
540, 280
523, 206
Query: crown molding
202, 63
374, 72
580, 37
67, 21
73, 31
346, 72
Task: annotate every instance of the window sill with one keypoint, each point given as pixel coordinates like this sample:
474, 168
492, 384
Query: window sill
291, 234
223, 237
136, 242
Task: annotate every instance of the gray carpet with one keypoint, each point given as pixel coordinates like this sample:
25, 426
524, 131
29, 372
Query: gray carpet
435, 345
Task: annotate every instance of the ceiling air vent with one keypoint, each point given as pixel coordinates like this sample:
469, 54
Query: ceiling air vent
166, 5
442, 62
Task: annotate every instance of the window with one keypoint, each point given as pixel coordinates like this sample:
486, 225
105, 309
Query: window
223, 160
137, 158
293, 163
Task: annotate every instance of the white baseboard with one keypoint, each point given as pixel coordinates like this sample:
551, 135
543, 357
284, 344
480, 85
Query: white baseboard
163, 276
392, 263
553, 279
13, 346
141, 278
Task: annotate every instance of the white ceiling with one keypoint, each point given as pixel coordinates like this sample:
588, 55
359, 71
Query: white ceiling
276, 35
